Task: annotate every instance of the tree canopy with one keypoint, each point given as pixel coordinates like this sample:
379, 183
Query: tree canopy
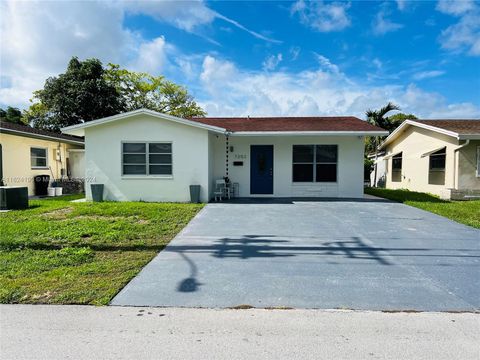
88, 91
389, 123
12, 114
80, 94
141, 90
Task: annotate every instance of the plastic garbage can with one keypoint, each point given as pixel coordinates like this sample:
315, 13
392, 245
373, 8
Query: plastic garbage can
195, 194
97, 192
41, 184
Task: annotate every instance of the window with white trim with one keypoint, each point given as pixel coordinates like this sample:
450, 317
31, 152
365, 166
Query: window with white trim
436, 167
397, 161
38, 158
146, 158
314, 163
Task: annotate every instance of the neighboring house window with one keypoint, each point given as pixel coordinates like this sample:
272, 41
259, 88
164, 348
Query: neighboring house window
38, 158
436, 167
146, 158
315, 163
397, 167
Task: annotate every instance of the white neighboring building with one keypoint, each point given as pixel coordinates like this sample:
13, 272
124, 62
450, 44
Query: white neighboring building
149, 156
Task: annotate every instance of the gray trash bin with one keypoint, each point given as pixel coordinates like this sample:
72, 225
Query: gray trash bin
195, 194
97, 192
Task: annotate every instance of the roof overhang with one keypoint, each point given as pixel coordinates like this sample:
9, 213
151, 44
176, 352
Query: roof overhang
79, 130
389, 156
309, 133
407, 123
41, 136
428, 153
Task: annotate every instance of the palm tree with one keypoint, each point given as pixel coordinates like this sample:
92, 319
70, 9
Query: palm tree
378, 118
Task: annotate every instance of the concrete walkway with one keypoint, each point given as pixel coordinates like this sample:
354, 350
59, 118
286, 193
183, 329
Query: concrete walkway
348, 254
81, 332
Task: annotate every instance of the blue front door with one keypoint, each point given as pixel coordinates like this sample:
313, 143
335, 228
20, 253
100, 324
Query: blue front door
261, 169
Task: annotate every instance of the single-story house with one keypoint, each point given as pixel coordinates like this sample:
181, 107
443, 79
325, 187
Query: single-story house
149, 156
26, 152
440, 157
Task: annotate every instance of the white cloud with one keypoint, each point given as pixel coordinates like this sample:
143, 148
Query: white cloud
465, 34
294, 52
428, 74
151, 56
455, 7
272, 61
323, 17
381, 25
186, 15
326, 64
401, 4
39, 38
231, 91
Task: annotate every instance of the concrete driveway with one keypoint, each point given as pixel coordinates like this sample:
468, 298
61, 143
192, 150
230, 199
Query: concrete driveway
370, 254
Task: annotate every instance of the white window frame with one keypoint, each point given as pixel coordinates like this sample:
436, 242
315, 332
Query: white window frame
40, 157
314, 163
147, 160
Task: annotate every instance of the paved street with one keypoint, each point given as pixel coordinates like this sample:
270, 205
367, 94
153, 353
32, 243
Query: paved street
86, 332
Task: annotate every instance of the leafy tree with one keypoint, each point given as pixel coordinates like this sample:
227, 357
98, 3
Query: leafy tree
80, 94
12, 114
378, 118
141, 90
396, 120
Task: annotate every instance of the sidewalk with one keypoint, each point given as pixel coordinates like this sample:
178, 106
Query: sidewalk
85, 332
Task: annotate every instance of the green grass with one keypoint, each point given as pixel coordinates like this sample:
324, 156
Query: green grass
61, 252
465, 212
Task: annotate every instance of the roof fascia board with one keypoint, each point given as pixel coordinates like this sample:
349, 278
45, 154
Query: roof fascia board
406, 123
307, 133
40, 136
469, 137
138, 112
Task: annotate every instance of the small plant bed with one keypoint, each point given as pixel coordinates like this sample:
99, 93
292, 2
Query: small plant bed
465, 212
59, 252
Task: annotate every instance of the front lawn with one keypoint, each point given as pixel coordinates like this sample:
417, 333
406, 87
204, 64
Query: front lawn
465, 212
81, 253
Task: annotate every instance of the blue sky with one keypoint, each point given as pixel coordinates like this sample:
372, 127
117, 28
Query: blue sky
261, 58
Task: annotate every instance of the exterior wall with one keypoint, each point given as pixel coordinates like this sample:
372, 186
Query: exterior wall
190, 154
381, 164
349, 169
17, 170
413, 143
77, 164
467, 167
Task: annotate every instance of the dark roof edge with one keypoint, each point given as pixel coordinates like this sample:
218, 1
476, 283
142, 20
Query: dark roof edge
27, 131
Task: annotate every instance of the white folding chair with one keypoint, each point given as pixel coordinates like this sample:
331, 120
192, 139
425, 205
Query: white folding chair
220, 189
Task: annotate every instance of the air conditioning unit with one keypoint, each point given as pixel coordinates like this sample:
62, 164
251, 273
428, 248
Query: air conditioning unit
13, 197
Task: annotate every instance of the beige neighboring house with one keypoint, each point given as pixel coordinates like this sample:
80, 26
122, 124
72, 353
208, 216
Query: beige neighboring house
26, 152
440, 157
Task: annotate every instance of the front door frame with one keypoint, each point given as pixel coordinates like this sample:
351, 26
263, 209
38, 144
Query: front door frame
272, 170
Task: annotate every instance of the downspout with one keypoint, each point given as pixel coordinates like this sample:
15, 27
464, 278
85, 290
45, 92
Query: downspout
227, 150
455, 161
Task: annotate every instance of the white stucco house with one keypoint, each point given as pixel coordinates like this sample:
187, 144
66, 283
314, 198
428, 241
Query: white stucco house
149, 156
